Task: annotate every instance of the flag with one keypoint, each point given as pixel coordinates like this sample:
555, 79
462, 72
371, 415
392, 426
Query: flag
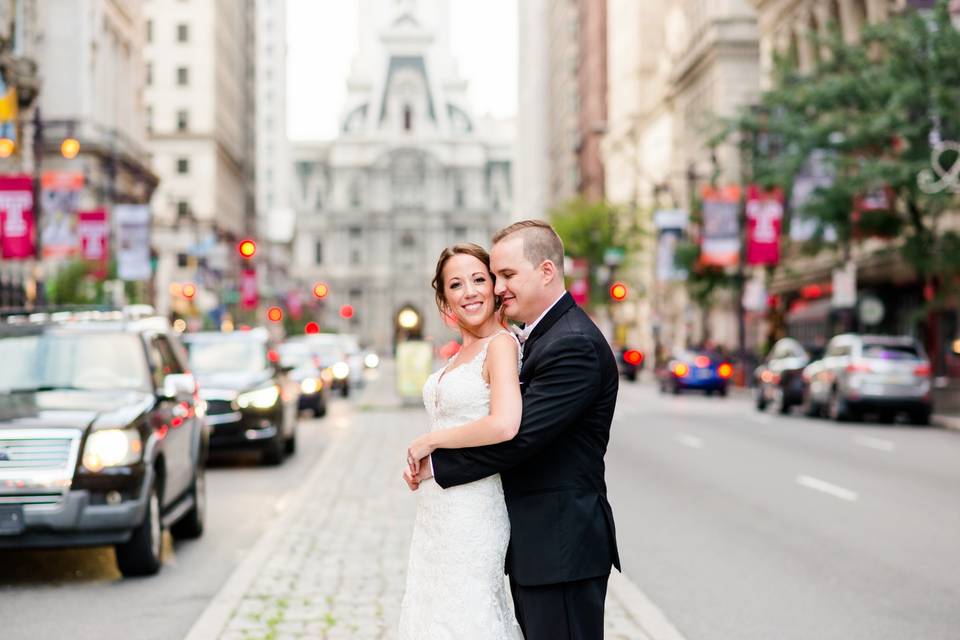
18, 239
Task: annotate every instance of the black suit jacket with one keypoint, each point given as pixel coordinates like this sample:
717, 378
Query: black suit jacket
553, 472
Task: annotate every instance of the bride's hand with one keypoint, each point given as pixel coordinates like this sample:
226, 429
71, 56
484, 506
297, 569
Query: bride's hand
418, 450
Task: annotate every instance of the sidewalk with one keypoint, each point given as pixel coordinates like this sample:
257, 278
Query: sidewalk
334, 563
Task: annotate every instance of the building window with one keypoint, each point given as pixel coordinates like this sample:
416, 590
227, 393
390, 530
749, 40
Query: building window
356, 233
149, 119
407, 118
183, 76
149, 73
355, 195
149, 30
183, 166
355, 256
318, 253
183, 33
182, 260
183, 209
407, 241
459, 233
458, 195
183, 120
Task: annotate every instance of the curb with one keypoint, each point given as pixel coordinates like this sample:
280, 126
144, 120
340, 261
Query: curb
946, 421
215, 616
638, 606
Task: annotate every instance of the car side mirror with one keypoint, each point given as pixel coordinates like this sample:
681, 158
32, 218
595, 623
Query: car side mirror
177, 385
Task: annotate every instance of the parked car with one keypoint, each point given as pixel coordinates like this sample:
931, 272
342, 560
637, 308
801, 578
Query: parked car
353, 356
630, 363
307, 372
252, 402
697, 370
102, 436
864, 373
779, 378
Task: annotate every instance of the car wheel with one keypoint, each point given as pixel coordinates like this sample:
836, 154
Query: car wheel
274, 449
838, 410
722, 391
676, 389
319, 409
290, 446
141, 554
345, 391
190, 526
920, 418
785, 405
761, 400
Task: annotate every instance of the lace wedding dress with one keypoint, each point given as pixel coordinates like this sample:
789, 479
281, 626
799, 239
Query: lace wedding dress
455, 582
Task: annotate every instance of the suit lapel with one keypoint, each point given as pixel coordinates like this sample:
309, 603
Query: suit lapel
561, 307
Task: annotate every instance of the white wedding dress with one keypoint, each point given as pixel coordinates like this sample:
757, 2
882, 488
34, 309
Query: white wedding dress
455, 582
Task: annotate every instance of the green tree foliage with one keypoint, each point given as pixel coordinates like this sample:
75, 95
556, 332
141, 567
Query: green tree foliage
588, 230
873, 110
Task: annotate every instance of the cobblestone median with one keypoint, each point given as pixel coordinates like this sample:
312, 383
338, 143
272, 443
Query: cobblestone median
335, 565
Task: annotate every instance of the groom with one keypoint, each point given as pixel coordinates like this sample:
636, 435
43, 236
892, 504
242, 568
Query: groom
562, 541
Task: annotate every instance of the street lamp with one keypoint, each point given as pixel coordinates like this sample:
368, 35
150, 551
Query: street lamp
408, 319
69, 148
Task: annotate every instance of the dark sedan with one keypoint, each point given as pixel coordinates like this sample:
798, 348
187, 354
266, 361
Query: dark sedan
696, 371
251, 400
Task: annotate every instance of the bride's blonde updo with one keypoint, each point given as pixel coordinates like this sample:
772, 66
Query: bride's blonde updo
469, 249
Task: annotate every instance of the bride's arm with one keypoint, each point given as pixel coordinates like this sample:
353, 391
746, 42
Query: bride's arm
506, 407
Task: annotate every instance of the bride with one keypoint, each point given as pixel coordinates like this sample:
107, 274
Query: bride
455, 581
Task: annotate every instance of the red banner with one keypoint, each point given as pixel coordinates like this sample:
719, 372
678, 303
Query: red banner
720, 238
249, 294
94, 233
764, 221
18, 235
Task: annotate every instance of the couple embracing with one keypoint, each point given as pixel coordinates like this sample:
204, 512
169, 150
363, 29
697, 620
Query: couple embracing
511, 474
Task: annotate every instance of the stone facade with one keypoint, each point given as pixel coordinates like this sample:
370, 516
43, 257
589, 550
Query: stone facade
411, 172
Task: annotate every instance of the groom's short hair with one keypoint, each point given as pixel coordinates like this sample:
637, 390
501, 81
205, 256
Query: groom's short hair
540, 241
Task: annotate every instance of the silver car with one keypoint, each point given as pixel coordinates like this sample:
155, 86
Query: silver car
863, 373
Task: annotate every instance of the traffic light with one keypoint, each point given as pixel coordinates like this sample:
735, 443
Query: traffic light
321, 290
188, 290
632, 356
69, 148
618, 291
274, 314
311, 328
247, 248
7, 147
346, 311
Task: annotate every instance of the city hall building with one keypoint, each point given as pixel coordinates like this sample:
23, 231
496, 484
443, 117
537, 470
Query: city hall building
411, 171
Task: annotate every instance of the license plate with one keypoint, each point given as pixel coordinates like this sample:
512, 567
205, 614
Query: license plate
703, 374
11, 520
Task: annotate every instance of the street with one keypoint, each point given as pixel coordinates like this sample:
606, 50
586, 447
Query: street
45, 593
757, 526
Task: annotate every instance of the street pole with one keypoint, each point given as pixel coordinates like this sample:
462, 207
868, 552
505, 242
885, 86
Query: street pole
41, 293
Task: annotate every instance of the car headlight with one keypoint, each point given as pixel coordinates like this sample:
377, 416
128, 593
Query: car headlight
310, 385
259, 399
111, 448
371, 360
340, 370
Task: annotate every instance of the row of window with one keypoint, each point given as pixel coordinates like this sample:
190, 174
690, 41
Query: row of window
183, 32
183, 75
182, 120
407, 241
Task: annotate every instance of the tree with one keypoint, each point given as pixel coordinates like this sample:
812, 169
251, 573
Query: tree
589, 230
872, 111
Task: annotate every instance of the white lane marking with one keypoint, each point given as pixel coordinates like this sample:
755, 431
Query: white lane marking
690, 441
875, 443
828, 488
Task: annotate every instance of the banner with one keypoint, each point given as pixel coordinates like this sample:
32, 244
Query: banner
60, 197
815, 173
249, 293
18, 239
764, 211
413, 365
670, 225
720, 244
94, 232
133, 241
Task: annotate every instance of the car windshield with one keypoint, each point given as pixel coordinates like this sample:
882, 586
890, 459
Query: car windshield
295, 355
890, 351
224, 356
86, 361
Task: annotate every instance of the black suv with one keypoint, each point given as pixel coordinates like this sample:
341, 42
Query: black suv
251, 399
101, 441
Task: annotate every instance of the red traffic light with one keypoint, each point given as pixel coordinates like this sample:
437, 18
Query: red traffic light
618, 291
346, 311
632, 356
247, 248
275, 314
320, 290
189, 290
311, 327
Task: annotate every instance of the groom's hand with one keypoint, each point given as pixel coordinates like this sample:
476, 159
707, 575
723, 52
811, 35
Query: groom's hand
426, 470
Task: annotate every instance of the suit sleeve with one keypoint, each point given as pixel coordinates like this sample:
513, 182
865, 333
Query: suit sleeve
566, 381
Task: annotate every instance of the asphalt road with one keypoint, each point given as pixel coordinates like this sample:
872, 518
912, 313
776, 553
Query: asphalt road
748, 526
80, 594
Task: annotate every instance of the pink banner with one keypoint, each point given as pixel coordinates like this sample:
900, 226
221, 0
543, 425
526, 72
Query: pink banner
17, 228
249, 294
764, 221
94, 233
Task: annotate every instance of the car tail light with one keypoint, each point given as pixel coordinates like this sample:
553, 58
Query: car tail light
702, 362
768, 376
273, 356
633, 357
859, 367
725, 370
680, 370
923, 371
